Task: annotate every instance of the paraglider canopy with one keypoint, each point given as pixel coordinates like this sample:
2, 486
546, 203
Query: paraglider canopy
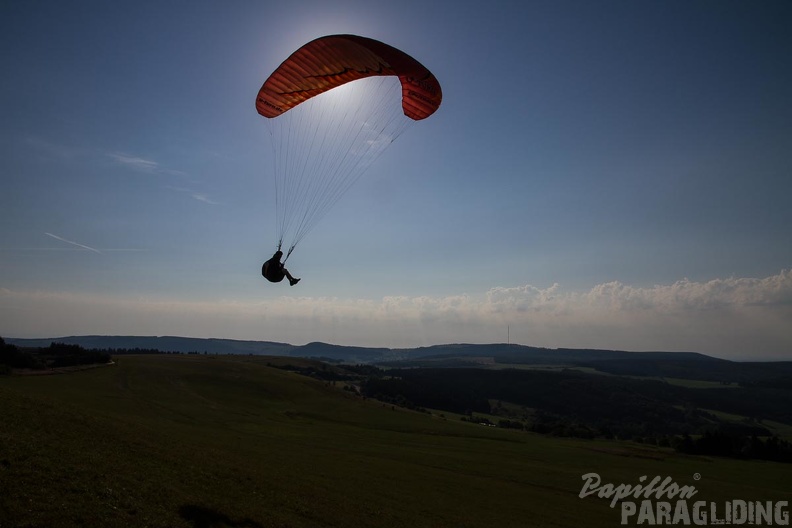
333, 106
328, 62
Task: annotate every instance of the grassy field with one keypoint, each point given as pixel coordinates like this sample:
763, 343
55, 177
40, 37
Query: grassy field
202, 441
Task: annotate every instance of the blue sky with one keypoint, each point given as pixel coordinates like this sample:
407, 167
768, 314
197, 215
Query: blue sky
612, 174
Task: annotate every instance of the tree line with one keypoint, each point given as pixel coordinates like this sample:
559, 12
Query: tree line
57, 355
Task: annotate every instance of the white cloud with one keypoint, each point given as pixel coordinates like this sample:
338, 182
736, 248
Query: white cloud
736, 317
682, 297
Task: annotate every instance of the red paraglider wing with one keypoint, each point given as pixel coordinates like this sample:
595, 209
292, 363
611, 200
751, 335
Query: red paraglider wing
331, 61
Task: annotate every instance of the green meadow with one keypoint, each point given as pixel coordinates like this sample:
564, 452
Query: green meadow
228, 441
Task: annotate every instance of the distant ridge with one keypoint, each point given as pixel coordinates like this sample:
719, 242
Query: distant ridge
164, 344
522, 352
213, 346
502, 351
682, 365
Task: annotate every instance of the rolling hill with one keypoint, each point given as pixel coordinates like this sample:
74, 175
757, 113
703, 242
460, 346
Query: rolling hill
684, 365
205, 441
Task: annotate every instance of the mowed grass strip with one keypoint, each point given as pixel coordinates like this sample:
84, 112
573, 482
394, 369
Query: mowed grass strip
199, 441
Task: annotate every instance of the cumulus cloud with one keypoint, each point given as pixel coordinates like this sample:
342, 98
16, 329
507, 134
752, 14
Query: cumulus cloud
735, 317
683, 296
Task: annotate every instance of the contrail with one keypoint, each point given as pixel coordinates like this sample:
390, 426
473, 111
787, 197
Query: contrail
56, 237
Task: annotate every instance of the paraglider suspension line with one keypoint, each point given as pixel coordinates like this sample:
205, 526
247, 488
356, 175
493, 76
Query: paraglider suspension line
287, 254
280, 245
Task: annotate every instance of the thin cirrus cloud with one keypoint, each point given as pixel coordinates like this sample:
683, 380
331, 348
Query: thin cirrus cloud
55, 150
195, 195
85, 247
129, 161
153, 167
142, 164
89, 248
136, 163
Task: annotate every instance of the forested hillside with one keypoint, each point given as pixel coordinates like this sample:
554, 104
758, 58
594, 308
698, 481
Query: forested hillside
573, 403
